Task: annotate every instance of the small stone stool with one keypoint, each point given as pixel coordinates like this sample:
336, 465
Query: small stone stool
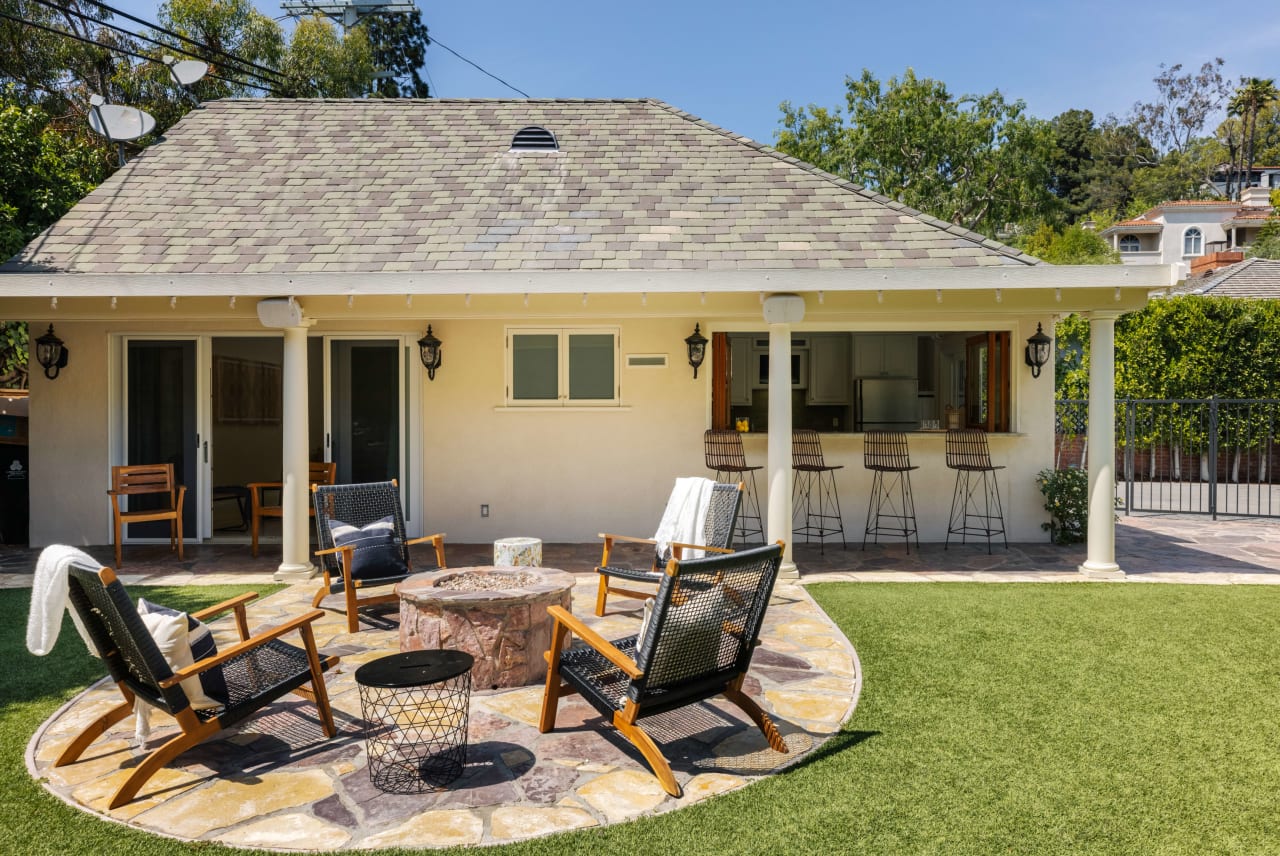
517, 552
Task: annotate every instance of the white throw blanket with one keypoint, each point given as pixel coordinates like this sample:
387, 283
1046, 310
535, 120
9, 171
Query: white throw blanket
49, 598
685, 518
44, 621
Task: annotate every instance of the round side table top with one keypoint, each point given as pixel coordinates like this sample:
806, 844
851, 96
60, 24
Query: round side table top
414, 668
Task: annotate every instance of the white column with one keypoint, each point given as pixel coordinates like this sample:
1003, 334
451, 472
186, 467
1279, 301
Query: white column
1101, 552
295, 561
781, 311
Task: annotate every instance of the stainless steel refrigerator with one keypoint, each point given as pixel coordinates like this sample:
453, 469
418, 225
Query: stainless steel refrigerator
887, 404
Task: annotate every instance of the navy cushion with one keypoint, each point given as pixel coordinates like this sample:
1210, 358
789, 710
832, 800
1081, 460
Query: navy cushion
200, 641
378, 553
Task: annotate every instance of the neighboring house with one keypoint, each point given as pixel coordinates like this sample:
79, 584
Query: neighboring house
1198, 235
1260, 176
248, 293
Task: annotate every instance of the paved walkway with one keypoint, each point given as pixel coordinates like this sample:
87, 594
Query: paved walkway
1150, 548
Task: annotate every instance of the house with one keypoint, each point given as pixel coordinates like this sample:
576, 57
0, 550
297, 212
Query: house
1259, 176
1197, 235
248, 294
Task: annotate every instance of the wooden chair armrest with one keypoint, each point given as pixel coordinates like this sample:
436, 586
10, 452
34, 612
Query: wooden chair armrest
436, 539
628, 538
331, 550
237, 604
606, 648
677, 548
247, 645
256, 485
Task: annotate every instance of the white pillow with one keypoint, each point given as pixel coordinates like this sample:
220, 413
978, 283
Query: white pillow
170, 632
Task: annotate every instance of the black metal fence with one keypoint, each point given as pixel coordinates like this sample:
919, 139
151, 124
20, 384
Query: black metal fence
1212, 456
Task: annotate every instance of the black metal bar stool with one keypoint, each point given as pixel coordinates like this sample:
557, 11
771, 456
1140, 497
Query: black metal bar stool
891, 510
814, 497
725, 455
973, 514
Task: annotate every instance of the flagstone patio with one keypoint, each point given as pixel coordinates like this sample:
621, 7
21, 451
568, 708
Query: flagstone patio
276, 782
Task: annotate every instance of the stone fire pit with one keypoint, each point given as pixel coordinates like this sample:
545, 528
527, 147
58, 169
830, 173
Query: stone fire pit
498, 615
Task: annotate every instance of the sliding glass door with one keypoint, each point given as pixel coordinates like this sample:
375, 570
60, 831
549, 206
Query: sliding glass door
162, 424
365, 413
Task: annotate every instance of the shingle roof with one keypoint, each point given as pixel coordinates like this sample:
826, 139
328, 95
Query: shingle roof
284, 186
1258, 278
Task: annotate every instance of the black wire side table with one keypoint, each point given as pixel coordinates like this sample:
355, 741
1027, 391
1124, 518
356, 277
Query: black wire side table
415, 707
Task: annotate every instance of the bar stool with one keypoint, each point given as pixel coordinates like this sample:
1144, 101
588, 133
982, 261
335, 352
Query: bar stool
968, 455
891, 510
725, 456
814, 495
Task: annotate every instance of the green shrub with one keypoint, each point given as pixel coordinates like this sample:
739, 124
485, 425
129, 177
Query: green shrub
1066, 498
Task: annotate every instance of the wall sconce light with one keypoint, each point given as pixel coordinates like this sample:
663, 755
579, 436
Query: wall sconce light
429, 348
1039, 350
51, 354
697, 344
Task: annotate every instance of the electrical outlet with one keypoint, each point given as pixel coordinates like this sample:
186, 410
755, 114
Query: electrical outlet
484, 510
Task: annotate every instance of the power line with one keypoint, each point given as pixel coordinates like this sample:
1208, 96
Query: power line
117, 49
193, 42
86, 17
436, 41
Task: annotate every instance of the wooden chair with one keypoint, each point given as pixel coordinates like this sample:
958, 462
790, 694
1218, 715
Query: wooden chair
722, 515
320, 472
141, 480
258, 670
703, 628
359, 505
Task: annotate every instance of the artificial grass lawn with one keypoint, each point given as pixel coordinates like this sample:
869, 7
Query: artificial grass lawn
1041, 718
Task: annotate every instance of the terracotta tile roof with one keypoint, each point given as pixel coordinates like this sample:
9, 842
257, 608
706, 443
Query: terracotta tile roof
1135, 225
275, 186
1256, 278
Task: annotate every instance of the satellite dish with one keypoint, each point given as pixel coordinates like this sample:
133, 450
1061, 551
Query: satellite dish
117, 122
187, 71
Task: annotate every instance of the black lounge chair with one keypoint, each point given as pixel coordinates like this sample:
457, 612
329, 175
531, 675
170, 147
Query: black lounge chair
722, 515
367, 564
702, 630
257, 671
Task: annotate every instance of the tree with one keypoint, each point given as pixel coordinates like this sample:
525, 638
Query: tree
399, 43
13, 355
1184, 103
1253, 95
51, 166
320, 63
1074, 245
975, 160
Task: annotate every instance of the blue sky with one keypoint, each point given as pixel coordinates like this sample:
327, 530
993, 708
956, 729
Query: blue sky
733, 63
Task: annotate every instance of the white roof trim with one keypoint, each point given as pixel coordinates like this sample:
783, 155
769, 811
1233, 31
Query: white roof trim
591, 282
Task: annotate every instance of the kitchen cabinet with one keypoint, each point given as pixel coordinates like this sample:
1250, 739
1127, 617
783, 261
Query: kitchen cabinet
884, 355
739, 370
829, 370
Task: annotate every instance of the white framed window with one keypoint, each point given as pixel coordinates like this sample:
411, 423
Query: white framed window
1130, 244
1193, 242
562, 366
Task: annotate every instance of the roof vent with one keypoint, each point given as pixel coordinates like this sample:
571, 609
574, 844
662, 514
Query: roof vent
534, 139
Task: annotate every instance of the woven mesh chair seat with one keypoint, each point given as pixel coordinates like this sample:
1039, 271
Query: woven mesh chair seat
270, 671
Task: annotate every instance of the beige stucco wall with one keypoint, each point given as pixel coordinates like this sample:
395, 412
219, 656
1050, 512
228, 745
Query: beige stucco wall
558, 474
